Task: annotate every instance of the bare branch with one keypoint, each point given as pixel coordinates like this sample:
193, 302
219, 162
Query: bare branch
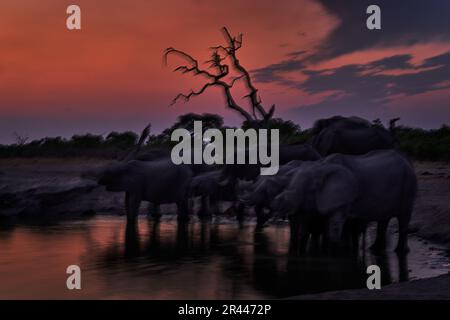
20, 139
192, 93
235, 79
221, 70
233, 105
255, 101
185, 69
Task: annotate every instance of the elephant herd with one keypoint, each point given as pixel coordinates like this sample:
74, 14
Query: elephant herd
347, 175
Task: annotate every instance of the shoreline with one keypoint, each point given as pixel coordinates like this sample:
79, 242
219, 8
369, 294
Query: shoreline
435, 288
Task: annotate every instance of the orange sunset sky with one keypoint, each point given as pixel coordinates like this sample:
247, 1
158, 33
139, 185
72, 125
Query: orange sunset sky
311, 58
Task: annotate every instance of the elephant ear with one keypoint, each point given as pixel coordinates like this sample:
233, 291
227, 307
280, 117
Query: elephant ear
336, 187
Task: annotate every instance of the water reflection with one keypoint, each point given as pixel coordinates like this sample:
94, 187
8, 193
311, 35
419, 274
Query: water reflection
263, 261
165, 260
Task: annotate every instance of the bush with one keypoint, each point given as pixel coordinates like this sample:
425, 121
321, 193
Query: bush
424, 144
417, 143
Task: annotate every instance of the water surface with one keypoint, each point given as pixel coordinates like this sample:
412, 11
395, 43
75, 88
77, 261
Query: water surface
214, 260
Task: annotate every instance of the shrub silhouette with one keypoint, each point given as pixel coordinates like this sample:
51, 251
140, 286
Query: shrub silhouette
424, 144
122, 139
418, 143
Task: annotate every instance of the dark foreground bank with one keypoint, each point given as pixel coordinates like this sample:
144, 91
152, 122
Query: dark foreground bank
437, 288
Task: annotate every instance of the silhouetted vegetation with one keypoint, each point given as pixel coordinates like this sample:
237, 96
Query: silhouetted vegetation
289, 131
186, 121
424, 144
418, 143
87, 145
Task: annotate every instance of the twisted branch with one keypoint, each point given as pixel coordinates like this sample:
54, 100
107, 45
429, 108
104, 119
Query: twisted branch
221, 70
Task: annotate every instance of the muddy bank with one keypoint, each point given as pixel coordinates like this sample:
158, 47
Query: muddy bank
431, 216
437, 288
35, 188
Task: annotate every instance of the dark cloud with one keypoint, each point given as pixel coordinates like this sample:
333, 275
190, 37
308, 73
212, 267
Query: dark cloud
371, 81
295, 54
439, 60
394, 62
403, 22
274, 72
366, 80
365, 89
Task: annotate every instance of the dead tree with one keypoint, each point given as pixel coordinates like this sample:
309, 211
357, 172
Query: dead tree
224, 60
21, 140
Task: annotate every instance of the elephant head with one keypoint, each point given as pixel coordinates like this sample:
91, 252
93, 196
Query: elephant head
324, 190
334, 187
116, 177
251, 197
264, 190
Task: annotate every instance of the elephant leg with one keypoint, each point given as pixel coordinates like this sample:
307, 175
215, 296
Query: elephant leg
132, 204
183, 210
215, 204
380, 241
191, 205
364, 234
240, 213
359, 232
335, 228
304, 237
315, 232
356, 230
261, 217
127, 200
403, 223
156, 211
303, 241
132, 243
150, 209
403, 270
205, 207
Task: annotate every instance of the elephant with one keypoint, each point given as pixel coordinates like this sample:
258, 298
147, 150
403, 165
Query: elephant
152, 154
232, 173
350, 135
137, 152
266, 188
376, 186
158, 182
287, 153
206, 185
